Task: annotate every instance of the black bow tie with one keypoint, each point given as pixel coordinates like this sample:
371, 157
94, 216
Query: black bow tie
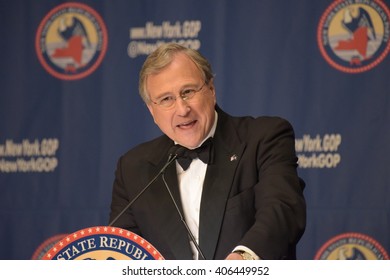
203, 153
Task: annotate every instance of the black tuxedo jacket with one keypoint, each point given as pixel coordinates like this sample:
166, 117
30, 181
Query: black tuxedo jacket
251, 196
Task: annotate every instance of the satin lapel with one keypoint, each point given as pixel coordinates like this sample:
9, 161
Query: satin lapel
217, 185
173, 229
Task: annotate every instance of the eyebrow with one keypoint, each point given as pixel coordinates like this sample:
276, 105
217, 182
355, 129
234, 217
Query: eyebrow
161, 95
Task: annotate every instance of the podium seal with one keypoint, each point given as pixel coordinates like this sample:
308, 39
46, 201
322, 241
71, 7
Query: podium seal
352, 246
103, 243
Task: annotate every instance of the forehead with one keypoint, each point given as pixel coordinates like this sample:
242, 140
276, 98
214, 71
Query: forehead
180, 70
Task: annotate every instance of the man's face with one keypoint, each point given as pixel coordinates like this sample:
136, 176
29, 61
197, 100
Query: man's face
186, 122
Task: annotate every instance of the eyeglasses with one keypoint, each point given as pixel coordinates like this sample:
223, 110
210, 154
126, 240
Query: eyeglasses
168, 101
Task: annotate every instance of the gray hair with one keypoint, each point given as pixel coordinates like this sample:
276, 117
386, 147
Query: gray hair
162, 57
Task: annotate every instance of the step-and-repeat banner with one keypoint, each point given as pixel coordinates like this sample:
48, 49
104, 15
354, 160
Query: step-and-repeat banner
69, 107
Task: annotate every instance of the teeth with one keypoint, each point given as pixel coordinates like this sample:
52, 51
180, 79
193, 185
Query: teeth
185, 124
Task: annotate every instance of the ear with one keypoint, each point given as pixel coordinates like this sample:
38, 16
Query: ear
212, 88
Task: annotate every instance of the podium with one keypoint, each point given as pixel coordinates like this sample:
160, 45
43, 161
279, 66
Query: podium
103, 243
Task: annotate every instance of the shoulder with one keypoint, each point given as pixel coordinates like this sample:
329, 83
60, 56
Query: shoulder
260, 125
151, 151
264, 122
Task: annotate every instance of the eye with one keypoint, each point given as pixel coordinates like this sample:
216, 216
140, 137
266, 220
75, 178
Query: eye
166, 100
187, 92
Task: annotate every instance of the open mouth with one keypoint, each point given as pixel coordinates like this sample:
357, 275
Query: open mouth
187, 125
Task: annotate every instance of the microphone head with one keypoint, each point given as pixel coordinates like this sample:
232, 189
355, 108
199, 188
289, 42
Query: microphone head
180, 151
176, 151
172, 150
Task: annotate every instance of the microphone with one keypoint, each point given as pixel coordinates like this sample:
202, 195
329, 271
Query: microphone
174, 152
181, 216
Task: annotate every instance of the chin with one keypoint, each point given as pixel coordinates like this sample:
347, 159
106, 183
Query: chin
189, 144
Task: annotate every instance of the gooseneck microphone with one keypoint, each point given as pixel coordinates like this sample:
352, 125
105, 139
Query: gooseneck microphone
183, 220
174, 152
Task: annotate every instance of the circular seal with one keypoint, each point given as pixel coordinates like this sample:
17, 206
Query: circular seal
353, 35
352, 246
71, 41
46, 246
103, 243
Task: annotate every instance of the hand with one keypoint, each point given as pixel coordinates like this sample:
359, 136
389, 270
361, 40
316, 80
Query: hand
234, 256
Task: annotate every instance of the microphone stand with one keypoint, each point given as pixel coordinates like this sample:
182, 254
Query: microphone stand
172, 157
170, 160
182, 218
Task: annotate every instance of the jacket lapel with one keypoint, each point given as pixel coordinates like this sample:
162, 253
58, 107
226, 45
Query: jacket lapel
170, 225
174, 230
217, 185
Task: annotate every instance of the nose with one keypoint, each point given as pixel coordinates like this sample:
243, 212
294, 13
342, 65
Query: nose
182, 107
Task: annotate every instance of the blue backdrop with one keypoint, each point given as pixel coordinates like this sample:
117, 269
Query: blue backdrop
69, 106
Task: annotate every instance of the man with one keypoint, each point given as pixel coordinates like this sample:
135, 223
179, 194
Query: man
245, 202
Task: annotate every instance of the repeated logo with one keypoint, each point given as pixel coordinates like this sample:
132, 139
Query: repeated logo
352, 246
71, 41
353, 35
46, 245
